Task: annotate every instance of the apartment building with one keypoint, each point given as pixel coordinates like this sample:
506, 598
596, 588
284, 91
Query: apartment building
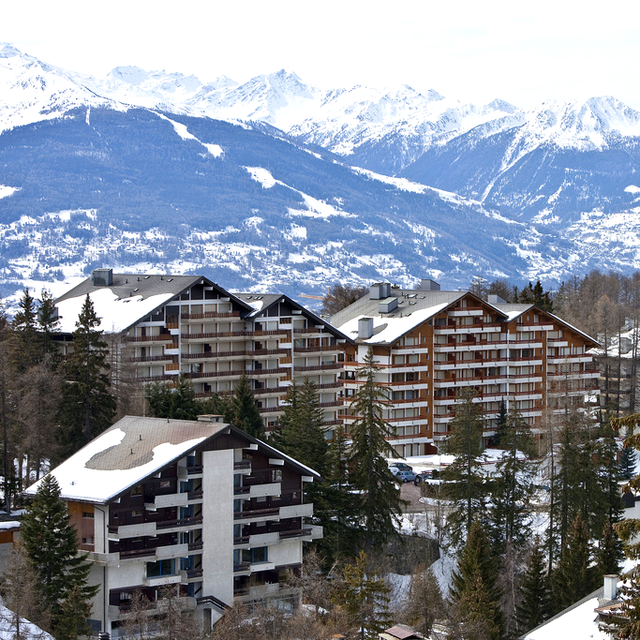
432, 344
196, 507
164, 326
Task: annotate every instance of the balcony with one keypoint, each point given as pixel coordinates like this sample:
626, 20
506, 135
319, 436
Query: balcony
162, 337
251, 373
297, 510
210, 314
320, 367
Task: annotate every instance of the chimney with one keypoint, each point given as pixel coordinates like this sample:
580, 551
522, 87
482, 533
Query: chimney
380, 291
426, 284
494, 298
610, 587
365, 328
102, 277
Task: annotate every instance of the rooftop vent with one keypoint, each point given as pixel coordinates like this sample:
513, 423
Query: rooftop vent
365, 328
210, 417
102, 277
426, 284
388, 305
610, 587
380, 290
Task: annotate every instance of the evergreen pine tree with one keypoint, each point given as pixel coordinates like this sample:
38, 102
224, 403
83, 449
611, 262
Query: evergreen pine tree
370, 475
301, 434
177, 403
535, 605
502, 424
464, 477
581, 484
48, 326
474, 593
610, 552
571, 579
339, 508
512, 488
243, 410
628, 462
365, 598
51, 544
25, 328
87, 406
535, 294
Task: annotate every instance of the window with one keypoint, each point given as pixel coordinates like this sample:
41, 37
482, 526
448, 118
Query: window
87, 514
137, 490
161, 568
255, 555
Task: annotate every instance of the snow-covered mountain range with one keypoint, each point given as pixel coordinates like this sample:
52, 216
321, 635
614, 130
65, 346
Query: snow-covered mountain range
276, 177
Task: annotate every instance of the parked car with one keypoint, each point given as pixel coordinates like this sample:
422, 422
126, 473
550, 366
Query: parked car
399, 465
405, 476
427, 474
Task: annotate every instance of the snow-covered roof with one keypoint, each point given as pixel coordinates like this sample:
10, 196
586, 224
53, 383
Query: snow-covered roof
135, 448
387, 329
125, 454
128, 299
578, 622
115, 313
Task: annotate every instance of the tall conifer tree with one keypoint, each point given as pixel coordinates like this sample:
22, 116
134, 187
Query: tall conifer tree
474, 592
571, 578
87, 406
512, 488
51, 545
370, 475
301, 434
243, 410
465, 480
535, 605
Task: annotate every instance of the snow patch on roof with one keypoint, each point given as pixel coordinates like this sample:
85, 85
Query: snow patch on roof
579, 622
392, 328
78, 482
116, 314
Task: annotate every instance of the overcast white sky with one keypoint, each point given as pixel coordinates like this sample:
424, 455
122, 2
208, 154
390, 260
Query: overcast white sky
473, 50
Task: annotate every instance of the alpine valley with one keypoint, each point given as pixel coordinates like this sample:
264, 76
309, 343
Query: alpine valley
276, 185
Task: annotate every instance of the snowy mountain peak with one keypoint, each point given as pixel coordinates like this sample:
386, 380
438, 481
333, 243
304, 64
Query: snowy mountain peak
575, 124
7, 50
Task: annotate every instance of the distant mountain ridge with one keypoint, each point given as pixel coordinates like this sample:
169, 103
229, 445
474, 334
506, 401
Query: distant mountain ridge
276, 183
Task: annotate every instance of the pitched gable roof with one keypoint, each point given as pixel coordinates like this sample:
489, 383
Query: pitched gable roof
414, 308
263, 302
128, 299
135, 448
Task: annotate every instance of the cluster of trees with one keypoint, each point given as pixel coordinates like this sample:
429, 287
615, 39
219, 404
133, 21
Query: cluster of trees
52, 403
517, 579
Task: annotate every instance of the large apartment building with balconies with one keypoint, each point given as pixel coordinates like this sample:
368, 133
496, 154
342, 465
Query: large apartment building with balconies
164, 326
431, 344
198, 508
